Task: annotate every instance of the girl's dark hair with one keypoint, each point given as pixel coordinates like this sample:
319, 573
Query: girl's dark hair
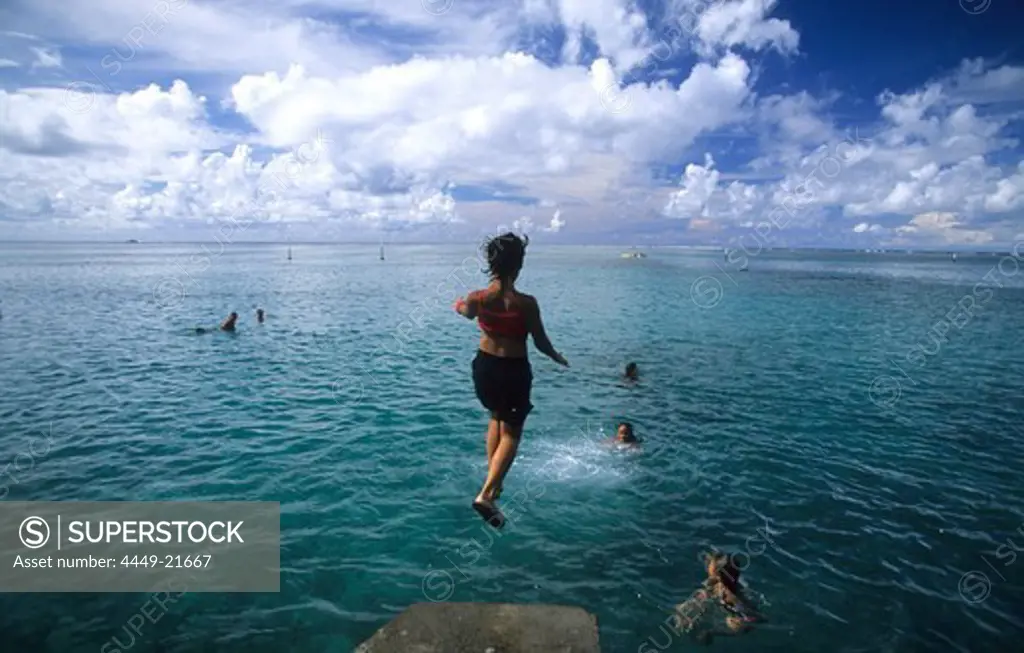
505, 256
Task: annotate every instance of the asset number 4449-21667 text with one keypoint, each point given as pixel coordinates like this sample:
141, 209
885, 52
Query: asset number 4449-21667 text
92, 562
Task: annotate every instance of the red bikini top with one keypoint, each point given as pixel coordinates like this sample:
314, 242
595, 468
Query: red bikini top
505, 324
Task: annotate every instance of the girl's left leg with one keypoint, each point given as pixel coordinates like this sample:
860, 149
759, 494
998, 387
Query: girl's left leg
493, 439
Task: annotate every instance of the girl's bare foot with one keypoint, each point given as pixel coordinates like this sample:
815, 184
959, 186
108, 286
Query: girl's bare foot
486, 509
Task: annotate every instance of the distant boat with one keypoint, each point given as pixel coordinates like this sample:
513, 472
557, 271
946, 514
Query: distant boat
132, 241
634, 255
289, 253
954, 257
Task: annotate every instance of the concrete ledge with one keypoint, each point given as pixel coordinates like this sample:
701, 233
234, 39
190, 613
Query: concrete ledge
487, 628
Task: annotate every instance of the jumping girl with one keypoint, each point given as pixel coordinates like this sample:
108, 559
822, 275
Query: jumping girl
502, 376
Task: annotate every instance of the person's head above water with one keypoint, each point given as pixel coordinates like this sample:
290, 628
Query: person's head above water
632, 372
505, 255
624, 433
721, 568
259, 314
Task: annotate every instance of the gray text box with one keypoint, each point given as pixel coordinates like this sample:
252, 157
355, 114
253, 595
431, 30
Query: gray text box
128, 546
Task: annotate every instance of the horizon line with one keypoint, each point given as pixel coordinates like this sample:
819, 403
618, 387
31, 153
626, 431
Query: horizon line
712, 247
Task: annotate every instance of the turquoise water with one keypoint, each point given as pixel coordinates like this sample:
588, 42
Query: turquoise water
769, 403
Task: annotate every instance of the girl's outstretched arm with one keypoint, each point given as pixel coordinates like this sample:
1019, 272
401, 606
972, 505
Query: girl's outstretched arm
467, 308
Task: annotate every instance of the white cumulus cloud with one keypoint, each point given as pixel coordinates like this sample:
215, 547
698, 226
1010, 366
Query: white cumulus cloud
348, 115
556, 224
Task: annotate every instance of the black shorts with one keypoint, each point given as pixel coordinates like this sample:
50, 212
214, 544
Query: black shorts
503, 386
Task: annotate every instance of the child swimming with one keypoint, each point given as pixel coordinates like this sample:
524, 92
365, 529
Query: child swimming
624, 436
227, 325
632, 372
721, 589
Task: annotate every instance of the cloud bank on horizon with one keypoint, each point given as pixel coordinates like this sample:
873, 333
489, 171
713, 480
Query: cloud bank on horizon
576, 120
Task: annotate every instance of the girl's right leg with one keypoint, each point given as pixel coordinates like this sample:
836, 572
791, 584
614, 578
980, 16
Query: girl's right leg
504, 456
493, 438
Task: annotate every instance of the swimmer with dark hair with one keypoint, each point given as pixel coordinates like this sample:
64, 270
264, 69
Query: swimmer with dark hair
722, 589
259, 315
632, 372
227, 325
624, 435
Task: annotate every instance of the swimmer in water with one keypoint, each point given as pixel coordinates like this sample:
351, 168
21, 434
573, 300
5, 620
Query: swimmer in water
229, 323
632, 372
502, 376
624, 435
259, 315
721, 588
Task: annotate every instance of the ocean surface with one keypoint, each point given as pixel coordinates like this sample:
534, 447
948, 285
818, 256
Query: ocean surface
850, 425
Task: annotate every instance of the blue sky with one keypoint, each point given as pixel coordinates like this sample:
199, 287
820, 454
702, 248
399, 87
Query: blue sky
868, 124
